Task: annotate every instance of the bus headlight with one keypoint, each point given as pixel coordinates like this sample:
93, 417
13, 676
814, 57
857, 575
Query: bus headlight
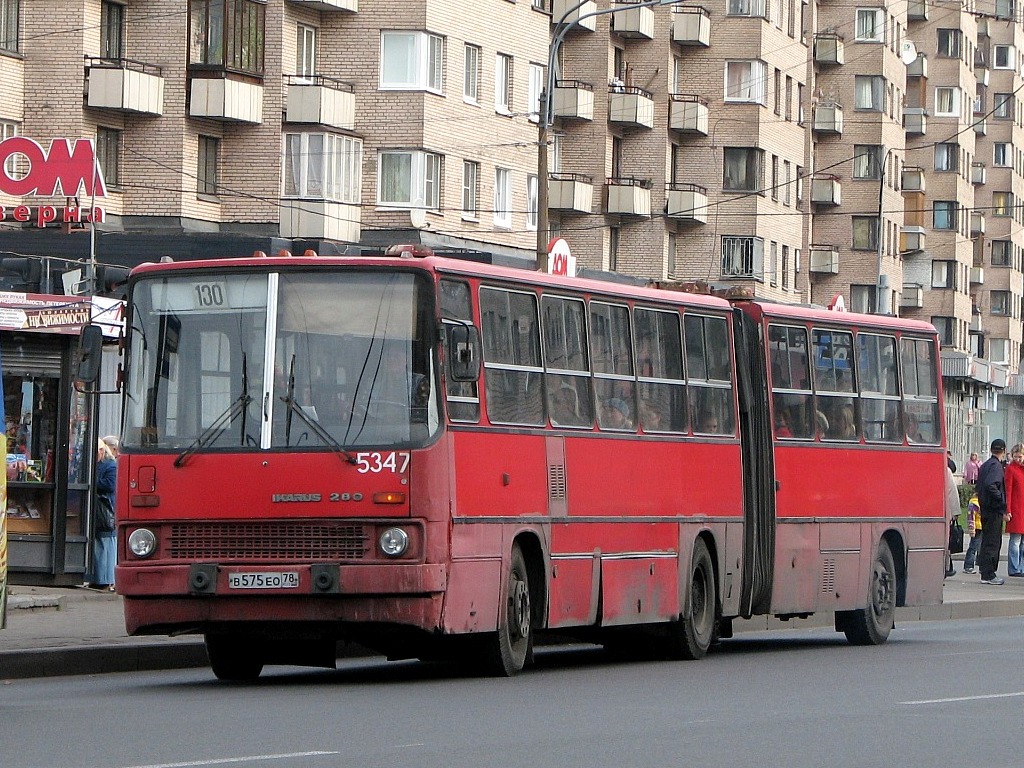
142, 542
393, 542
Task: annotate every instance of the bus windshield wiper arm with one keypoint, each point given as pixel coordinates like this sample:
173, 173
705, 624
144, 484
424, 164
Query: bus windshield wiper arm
238, 406
318, 430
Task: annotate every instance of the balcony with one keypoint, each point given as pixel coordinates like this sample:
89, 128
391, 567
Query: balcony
912, 179
918, 67
982, 76
978, 173
824, 259
688, 113
917, 10
977, 276
632, 21
828, 118
560, 7
320, 100
570, 192
915, 121
826, 190
226, 99
687, 202
691, 26
124, 85
977, 223
628, 196
320, 219
630, 106
912, 296
981, 126
911, 239
328, 6
573, 100
828, 49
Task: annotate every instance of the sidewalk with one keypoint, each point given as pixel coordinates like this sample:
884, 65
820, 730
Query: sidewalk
52, 631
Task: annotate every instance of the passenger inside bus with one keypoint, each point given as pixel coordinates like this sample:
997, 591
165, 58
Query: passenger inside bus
615, 414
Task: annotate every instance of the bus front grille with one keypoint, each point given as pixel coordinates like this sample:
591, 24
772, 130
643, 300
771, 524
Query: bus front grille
267, 541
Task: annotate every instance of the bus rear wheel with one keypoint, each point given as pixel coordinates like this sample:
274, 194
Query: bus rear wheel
233, 657
507, 650
692, 635
872, 625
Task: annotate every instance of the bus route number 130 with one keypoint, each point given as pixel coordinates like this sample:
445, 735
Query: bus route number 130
373, 462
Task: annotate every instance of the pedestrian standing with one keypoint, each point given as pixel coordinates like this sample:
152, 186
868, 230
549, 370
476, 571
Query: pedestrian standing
992, 500
104, 538
974, 531
952, 511
1015, 511
971, 469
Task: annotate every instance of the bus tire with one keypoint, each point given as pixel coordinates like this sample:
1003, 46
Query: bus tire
693, 633
509, 648
872, 625
233, 657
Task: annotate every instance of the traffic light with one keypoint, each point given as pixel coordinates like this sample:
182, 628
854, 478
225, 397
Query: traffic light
21, 274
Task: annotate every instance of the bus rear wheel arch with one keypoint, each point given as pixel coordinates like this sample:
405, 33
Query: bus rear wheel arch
690, 636
872, 624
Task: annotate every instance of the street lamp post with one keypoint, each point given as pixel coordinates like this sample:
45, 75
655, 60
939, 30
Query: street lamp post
544, 117
879, 284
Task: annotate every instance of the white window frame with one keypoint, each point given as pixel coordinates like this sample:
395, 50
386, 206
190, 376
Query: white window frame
948, 208
1002, 106
1005, 299
875, 89
305, 50
531, 202
947, 158
1002, 154
743, 257
1009, 56
503, 197
756, 8
954, 43
503, 72
876, 34
8, 129
470, 190
940, 92
746, 81
424, 179
944, 274
424, 61
471, 74
535, 88
322, 166
998, 350
1002, 204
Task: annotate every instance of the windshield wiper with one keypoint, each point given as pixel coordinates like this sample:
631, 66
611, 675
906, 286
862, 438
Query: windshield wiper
238, 407
310, 421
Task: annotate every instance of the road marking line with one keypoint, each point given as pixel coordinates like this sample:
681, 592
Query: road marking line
225, 760
966, 698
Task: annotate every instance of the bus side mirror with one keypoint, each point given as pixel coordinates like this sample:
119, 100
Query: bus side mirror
463, 353
90, 354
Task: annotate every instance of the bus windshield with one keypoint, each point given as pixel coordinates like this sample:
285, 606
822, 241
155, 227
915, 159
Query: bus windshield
349, 355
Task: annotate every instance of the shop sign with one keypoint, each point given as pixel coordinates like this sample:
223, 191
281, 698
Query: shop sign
64, 169
560, 258
60, 314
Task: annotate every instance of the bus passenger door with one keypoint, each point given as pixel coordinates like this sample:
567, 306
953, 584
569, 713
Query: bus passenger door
758, 467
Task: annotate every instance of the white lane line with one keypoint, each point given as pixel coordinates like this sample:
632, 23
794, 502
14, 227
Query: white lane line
966, 698
225, 760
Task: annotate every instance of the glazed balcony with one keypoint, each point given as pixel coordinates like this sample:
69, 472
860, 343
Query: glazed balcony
824, 259
688, 113
320, 100
918, 67
686, 202
573, 192
977, 275
124, 85
633, 21
630, 106
911, 239
628, 196
691, 26
826, 190
573, 100
828, 118
912, 297
979, 173
217, 95
915, 121
560, 7
913, 179
977, 223
320, 219
828, 49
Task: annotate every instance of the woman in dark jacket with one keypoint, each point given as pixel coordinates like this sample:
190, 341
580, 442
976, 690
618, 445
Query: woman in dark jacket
104, 536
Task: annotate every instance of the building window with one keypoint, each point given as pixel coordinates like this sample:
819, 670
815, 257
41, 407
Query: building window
743, 169
862, 298
946, 326
1001, 250
12, 168
305, 50
9, 24
867, 161
323, 166
998, 350
1004, 57
410, 179
944, 214
471, 74
745, 81
534, 91
869, 92
206, 168
411, 61
946, 157
943, 274
950, 43
1003, 106
870, 25
470, 189
865, 233
785, 266
502, 197
1005, 9
743, 257
228, 33
108, 155
947, 101
999, 302
503, 84
748, 8
1001, 154
112, 30
531, 202
1002, 203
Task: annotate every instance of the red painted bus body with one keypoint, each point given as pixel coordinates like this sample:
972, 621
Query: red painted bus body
275, 541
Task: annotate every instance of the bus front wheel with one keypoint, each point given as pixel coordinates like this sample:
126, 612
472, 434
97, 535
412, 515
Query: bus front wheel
872, 625
692, 635
233, 657
508, 649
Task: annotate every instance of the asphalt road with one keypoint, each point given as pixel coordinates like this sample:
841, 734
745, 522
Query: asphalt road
938, 694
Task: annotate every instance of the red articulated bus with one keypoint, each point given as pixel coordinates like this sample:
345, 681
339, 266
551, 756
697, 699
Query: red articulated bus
438, 458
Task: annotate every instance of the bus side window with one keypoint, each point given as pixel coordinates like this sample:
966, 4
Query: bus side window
612, 356
567, 375
920, 398
792, 401
512, 363
462, 396
659, 356
879, 390
709, 375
